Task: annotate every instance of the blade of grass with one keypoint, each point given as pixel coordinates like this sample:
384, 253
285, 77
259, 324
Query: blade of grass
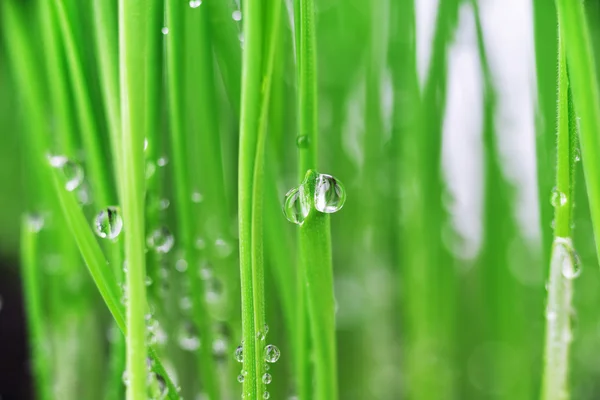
252, 313
555, 385
35, 320
132, 60
586, 99
183, 193
315, 264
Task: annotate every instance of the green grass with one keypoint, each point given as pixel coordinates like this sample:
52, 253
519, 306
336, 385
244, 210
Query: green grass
201, 130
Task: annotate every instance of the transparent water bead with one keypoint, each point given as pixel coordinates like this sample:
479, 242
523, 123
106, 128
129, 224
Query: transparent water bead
272, 353
187, 338
266, 395
165, 30
266, 378
72, 172
330, 194
302, 141
35, 222
108, 223
558, 198
296, 206
195, 3
239, 354
236, 15
161, 240
571, 263
240, 378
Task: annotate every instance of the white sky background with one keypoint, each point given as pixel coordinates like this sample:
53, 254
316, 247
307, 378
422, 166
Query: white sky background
508, 32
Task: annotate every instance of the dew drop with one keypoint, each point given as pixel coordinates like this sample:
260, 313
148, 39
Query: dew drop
577, 155
125, 378
161, 162
236, 15
239, 354
187, 338
197, 197
330, 194
108, 223
558, 198
272, 353
223, 248
181, 265
295, 206
219, 347
266, 378
565, 253
195, 3
302, 141
266, 395
161, 240
200, 244
35, 222
240, 378
150, 169
72, 172
145, 144
165, 30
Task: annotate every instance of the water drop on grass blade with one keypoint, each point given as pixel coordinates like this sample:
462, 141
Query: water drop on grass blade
236, 15
295, 206
266, 395
240, 378
165, 30
302, 141
108, 223
161, 240
266, 378
72, 172
330, 194
188, 340
195, 3
558, 198
239, 354
272, 353
35, 222
571, 263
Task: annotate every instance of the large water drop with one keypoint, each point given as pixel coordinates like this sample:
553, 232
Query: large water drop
330, 194
272, 353
295, 206
108, 223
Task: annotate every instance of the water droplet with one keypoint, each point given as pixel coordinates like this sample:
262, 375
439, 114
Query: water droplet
163, 204
240, 378
35, 222
181, 265
577, 155
148, 281
108, 223
125, 378
266, 378
236, 15
266, 395
558, 198
150, 169
161, 162
551, 314
330, 194
187, 338
219, 347
272, 353
161, 240
72, 172
200, 244
565, 253
239, 354
295, 206
302, 141
145, 144
165, 30
185, 303
223, 248
197, 197
195, 3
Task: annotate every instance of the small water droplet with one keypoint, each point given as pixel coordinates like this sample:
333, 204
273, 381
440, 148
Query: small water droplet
551, 314
558, 198
195, 3
266, 378
236, 15
150, 169
161, 162
302, 141
266, 395
161, 240
108, 223
240, 378
239, 354
71, 171
565, 253
125, 378
181, 265
577, 154
223, 248
295, 205
187, 338
35, 222
330, 194
145, 144
148, 281
219, 347
165, 30
272, 353
163, 204
200, 244
197, 197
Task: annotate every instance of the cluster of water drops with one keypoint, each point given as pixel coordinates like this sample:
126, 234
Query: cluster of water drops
271, 355
328, 197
